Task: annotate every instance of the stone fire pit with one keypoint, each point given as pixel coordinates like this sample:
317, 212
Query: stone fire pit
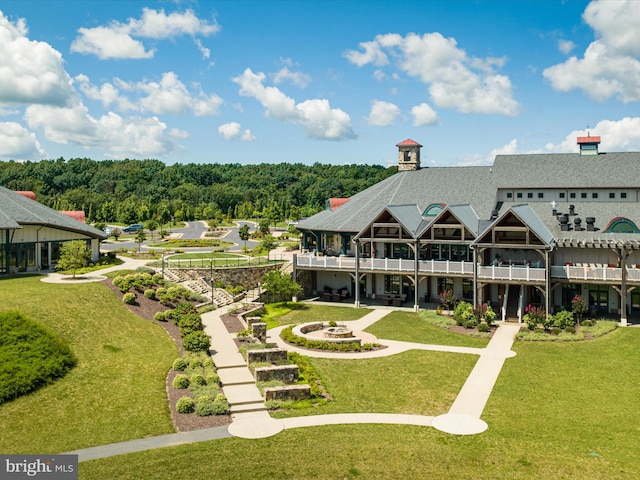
338, 332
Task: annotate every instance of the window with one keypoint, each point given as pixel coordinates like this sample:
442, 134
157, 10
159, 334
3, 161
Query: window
623, 194
583, 195
519, 194
509, 195
530, 195
444, 284
572, 195
540, 195
622, 225
612, 195
594, 195
561, 195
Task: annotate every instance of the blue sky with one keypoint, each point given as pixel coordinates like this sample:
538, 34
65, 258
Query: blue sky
325, 81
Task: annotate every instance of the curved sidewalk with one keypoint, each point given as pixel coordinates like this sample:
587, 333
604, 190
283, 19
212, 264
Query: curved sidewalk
463, 418
97, 276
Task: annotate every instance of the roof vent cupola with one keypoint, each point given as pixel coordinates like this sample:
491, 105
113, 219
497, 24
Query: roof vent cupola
588, 145
408, 155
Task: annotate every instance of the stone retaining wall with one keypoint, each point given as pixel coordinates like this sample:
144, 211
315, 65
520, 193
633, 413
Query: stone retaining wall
284, 373
248, 277
271, 355
287, 392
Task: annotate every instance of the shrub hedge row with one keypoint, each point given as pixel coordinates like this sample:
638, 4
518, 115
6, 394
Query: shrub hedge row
31, 356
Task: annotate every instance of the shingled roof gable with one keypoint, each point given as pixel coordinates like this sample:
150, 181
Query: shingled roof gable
18, 210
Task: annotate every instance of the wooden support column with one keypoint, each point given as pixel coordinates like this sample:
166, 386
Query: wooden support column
547, 283
356, 294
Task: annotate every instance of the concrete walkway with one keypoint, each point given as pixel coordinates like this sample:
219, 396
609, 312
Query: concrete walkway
98, 275
251, 420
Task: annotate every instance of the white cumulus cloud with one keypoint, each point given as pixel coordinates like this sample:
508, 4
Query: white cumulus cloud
454, 80
17, 143
117, 136
423, 114
320, 121
168, 96
30, 71
299, 79
615, 136
121, 40
382, 113
566, 46
610, 66
233, 131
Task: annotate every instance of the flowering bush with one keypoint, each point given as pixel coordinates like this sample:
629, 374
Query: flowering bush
579, 306
535, 316
447, 299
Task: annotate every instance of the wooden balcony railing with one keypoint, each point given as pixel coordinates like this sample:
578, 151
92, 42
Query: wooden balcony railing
586, 272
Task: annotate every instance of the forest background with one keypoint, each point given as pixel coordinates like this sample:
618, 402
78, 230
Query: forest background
131, 191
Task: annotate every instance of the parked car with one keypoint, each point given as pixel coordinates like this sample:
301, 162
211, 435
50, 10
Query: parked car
109, 230
134, 227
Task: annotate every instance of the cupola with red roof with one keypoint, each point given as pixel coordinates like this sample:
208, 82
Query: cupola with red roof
588, 145
408, 155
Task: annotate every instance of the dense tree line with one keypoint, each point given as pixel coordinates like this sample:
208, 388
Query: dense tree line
132, 191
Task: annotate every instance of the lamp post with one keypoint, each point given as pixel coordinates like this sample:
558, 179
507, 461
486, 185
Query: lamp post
211, 277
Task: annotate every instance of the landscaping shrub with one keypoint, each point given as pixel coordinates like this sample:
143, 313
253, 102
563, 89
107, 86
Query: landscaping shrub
213, 379
288, 336
196, 342
555, 330
195, 362
180, 382
188, 323
185, 405
570, 329
205, 407
463, 313
150, 293
179, 364
587, 323
129, 298
563, 319
157, 279
536, 317
208, 363
31, 356
123, 282
160, 317
469, 324
184, 308
483, 327
197, 379
220, 405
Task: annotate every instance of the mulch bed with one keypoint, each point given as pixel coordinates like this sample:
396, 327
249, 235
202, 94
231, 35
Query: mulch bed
470, 331
145, 308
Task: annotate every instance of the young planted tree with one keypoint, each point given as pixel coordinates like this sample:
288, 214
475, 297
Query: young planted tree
268, 244
140, 237
243, 233
281, 284
73, 255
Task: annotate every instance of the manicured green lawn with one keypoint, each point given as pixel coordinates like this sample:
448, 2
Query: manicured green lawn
412, 327
279, 314
414, 382
117, 390
559, 410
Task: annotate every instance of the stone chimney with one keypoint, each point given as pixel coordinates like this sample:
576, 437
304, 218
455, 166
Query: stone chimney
408, 155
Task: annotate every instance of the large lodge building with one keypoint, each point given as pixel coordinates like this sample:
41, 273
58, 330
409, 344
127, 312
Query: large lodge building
530, 229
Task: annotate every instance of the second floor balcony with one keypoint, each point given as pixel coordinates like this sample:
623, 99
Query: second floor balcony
579, 273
